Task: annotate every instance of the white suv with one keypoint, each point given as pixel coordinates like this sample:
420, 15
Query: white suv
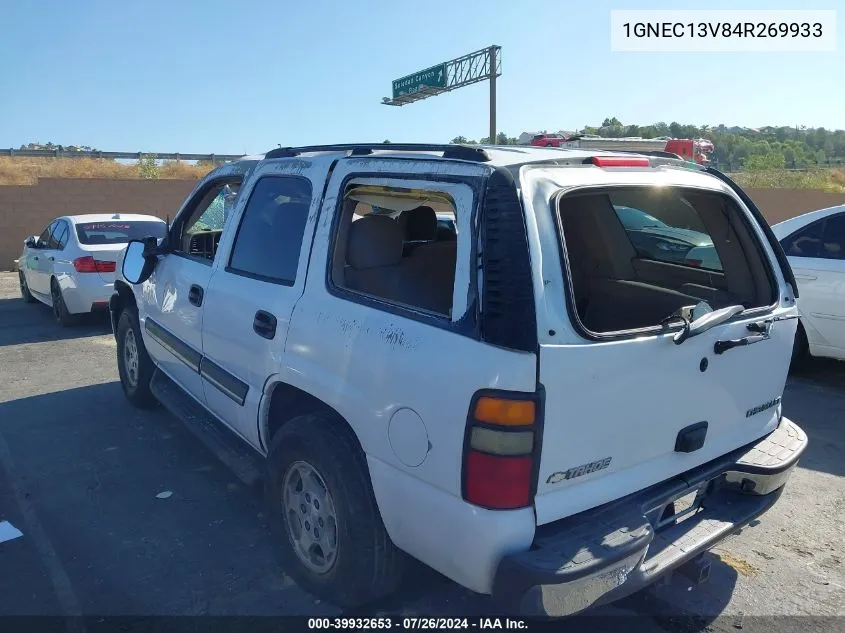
529, 403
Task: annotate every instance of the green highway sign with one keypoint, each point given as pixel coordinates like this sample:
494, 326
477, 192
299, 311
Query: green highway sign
434, 77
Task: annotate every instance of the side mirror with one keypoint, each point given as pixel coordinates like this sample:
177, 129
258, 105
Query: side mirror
31, 242
138, 262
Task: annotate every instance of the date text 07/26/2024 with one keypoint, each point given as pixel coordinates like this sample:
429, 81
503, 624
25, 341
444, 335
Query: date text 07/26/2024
417, 624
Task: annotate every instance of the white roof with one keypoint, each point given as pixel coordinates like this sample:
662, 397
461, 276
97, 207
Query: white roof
109, 217
500, 155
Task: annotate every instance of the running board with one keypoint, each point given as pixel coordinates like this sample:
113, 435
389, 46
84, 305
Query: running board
240, 458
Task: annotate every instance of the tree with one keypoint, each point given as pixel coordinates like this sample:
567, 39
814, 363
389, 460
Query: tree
147, 167
760, 162
459, 140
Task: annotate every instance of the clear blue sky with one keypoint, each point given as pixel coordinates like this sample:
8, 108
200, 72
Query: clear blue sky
229, 77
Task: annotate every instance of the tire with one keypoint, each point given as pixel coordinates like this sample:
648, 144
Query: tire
366, 565
63, 317
25, 293
135, 376
800, 349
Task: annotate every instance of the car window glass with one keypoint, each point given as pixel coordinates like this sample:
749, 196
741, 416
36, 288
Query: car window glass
665, 228
44, 238
833, 243
199, 234
60, 235
269, 239
805, 242
55, 228
118, 231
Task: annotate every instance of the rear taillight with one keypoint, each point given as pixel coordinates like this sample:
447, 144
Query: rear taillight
499, 452
693, 262
88, 264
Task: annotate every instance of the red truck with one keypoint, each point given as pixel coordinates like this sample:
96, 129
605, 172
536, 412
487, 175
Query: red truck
693, 150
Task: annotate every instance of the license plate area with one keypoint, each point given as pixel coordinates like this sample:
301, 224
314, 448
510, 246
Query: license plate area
679, 508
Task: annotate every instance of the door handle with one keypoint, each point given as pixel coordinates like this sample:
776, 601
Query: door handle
195, 295
264, 324
35, 258
762, 331
52, 259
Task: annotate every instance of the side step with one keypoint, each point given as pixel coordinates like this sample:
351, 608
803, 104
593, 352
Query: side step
239, 457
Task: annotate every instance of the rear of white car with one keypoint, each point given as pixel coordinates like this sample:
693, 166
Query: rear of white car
660, 383
85, 269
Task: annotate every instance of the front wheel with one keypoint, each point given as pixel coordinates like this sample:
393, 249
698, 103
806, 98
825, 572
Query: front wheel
323, 513
133, 363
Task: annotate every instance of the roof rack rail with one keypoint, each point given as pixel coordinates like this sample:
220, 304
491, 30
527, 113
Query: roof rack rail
450, 150
658, 153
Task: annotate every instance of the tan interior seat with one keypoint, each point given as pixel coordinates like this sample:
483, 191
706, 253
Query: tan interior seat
425, 279
373, 253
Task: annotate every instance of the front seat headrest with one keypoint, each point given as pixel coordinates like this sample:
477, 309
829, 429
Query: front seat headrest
374, 240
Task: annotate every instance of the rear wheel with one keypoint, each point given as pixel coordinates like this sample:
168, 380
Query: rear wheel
323, 514
25, 293
800, 349
60, 311
133, 363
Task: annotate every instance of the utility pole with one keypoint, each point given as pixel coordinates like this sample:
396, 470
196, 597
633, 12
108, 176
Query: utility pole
492, 53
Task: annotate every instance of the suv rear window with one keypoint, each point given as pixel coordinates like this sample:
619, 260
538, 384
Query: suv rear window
637, 255
118, 232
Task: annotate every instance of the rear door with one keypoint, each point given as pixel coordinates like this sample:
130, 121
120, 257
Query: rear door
259, 276
624, 401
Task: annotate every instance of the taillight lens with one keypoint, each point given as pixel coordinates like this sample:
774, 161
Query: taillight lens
88, 264
618, 161
499, 455
501, 483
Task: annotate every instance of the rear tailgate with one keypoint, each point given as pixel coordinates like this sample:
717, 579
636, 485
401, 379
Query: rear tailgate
624, 411
611, 426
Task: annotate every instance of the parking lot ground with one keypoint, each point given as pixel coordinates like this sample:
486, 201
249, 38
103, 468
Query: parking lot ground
124, 512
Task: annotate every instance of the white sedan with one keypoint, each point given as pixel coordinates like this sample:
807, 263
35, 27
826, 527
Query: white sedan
71, 265
814, 243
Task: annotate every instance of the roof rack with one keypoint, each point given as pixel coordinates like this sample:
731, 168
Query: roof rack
658, 153
451, 150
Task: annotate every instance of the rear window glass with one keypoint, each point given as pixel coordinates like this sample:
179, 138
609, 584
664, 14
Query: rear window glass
118, 232
638, 255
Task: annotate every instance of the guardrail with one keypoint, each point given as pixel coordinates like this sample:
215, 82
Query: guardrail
67, 153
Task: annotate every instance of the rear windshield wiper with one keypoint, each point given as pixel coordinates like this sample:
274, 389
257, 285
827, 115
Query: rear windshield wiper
701, 324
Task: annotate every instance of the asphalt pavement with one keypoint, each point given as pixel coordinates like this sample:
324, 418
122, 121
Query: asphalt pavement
124, 512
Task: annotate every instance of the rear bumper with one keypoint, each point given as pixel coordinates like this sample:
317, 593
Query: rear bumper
607, 553
85, 293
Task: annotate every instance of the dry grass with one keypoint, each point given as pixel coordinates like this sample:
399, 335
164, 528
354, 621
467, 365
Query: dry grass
26, 171
831, 180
